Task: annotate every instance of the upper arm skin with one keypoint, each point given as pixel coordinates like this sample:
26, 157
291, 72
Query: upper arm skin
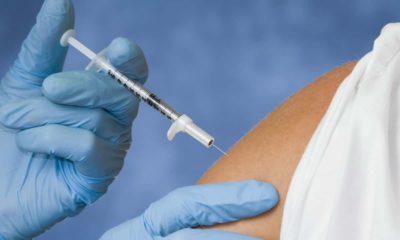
271, 151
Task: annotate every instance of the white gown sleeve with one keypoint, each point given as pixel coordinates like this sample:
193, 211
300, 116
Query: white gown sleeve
347, 183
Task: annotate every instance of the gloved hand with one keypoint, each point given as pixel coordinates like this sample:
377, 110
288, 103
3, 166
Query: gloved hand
64, 134
173, 216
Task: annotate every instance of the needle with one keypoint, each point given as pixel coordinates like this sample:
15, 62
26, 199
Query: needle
219, 149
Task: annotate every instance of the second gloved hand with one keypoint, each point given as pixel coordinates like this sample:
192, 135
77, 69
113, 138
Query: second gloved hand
65, 134
173, 217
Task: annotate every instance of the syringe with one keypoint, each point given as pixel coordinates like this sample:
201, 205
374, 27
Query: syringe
180, 122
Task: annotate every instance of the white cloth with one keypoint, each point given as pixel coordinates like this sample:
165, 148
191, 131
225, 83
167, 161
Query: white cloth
347, 183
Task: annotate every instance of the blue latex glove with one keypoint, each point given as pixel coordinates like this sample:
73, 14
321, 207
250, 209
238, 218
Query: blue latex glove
172, 217
64, 134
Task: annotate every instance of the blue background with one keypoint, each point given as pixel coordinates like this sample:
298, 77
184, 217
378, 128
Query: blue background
226, 63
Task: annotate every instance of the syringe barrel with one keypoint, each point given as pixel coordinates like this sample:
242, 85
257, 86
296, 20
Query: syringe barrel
180, 122
139, 90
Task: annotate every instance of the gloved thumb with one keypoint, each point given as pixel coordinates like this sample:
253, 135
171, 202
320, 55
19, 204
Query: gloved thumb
41, 54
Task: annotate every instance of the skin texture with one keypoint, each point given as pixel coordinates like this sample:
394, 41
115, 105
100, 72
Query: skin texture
271, 151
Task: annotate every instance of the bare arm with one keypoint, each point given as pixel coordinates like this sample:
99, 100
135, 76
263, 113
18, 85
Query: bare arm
271, 151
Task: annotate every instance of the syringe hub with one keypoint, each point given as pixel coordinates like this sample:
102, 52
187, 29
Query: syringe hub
185, 124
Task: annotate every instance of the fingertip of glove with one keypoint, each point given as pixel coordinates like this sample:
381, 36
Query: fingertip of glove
50, 86
56, 86
264, 191
273, 196
122, 50
56, 15
57, 7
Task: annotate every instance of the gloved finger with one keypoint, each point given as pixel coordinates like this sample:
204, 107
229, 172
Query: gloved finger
38, 112
41, 53
208, 205
91, 154
96, 89
91, 90
129, 59
207, 234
